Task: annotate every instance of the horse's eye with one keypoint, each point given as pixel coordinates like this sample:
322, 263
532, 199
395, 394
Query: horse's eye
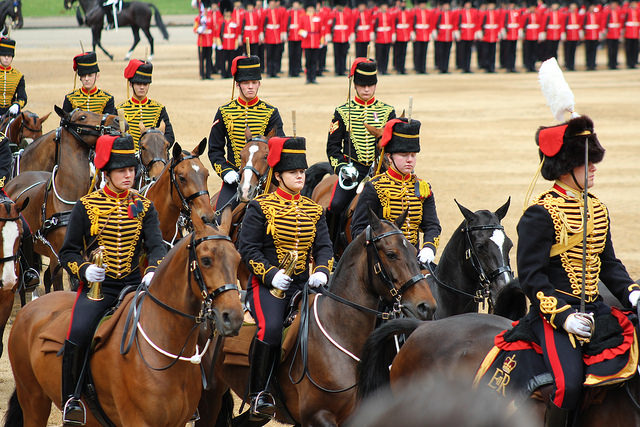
83, 117
206, 261
391, 255
182, 180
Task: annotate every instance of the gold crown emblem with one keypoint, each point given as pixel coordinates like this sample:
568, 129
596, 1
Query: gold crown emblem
509, 364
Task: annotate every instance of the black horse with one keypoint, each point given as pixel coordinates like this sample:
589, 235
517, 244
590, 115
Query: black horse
136, 14
474, 267
12, 8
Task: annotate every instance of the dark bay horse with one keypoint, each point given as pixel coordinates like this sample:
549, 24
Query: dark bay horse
53, 194
12, 9
157, 382
136, 15
180, 192
455, 347
23, 129
474, 267
318, 386
10, 235
152, 156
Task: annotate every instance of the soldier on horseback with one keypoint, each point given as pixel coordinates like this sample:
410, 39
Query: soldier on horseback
88, 97
122, 224
398, 189
231, 120
111, 9
14, 95
140, 109
280, 232
581, 337
350, 147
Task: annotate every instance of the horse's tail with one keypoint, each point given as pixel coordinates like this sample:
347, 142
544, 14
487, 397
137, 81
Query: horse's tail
79, 17
314, 175
378, 353
14, 416
159, 23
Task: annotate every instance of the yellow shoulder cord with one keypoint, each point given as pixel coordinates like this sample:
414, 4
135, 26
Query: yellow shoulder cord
527, 197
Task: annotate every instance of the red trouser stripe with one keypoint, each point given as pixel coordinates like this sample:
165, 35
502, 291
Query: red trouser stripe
556, 366
333, 193
257, 307
74, 307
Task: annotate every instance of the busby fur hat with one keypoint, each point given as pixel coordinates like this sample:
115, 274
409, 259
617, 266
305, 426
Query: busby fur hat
226, 6
287, 153
115, 152
562, 146
86, 63
7, 47
244, 68
401, 136
364, 72
138, 71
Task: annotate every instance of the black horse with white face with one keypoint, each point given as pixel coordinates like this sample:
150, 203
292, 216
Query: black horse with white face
474, 268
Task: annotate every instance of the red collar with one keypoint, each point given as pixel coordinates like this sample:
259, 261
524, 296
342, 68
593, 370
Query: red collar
566, 190
109, 192
135, 101
5, 69
397, 175
365, 103
286, 195
250, 103
91, 92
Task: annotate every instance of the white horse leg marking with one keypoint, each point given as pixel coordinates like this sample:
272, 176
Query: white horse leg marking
498, 237
10, 233
247, 173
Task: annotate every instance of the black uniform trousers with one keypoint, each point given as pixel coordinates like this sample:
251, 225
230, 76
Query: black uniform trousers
443, 50
529, 54
488, 56
570, 54
464, 46
217, 66
340, 198
268, 311
420, 57
551, 49
273, 56
205, 61
312, 64
295, 58
509, 54
631, 52
280, 54
591, 49
322, 60
340, 51
501, 53
227, 60
382, 57
260, 54
361, 49
400, 57
612, 53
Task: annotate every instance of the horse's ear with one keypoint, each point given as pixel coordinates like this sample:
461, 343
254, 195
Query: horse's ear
177, 150
198, 223
402, 116
502, 210
468, 215
374, 221
402, 218
24, 204
200, 148
60, 112
225, 220
271, 134
247, 134
43, 118
162, 126
377, 133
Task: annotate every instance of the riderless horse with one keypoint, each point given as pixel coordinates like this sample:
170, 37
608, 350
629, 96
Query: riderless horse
135, 14
317, 376
144, 368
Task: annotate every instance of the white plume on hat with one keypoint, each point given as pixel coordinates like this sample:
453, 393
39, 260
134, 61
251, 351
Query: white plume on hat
556, 90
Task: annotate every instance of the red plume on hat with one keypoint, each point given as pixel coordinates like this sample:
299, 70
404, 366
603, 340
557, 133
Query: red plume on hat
234, 64
132, 67
388, 131
275, 150
75, 64
103, 150
355, 65
550, 140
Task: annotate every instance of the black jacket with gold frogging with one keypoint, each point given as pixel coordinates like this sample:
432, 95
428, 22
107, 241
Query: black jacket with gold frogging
12, 89
278, 222
95, 100
550, 257
122, 223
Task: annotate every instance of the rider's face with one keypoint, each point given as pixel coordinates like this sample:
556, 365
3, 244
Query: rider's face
89, 80
365, 92
248, 89
6, 60
404, 162
140, 90
292, 180
121, 179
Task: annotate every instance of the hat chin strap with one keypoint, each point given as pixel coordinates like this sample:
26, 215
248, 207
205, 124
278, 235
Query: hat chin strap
575, 181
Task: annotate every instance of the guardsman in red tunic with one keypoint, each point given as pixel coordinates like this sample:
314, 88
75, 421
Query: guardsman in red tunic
592, 30
554, 28
613, 22
14, 95
251, 28
237, 15
384, 34
312, 33
272, 38
295, 40
631, 33
444, 27
229, 37
573, 30
490, 26
422, 27
204, 27
511, 34
404, 32
532, 27
467, 22
363, 27
341, 31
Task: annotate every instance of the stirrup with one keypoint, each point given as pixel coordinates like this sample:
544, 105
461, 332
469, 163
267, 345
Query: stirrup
31, 279
70, 415
262, 414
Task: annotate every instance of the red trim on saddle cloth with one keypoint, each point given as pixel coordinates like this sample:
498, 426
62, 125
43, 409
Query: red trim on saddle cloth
515, 345
257, 308
74, 307
554, 360
333, 194
627, 341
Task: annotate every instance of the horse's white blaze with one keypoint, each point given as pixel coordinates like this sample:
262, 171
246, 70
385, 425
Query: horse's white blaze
10, 233
196, 168
246, 175
498, 237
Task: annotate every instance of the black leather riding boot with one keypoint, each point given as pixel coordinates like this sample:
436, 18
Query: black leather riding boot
30, 275
263, 360
73, 411
556, 417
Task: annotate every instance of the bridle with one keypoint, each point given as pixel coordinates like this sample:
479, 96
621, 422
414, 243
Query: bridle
185, 209
262, 178
146, 168
78, 130
23, 127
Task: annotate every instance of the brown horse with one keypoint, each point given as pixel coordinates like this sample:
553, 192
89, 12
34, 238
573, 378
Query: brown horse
317, 387
53, 194
10, 235
153, 155
23, 129
455, 347
180, 192
154, 382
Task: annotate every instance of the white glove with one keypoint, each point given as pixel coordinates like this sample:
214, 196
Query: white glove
426, 255
283, 37
231, 177
352, 38
393, 38
281, 281
633, 298
520, 33
328, 38
303, 33
14, 110
261, 37
412, 36
542, 36
579, 324
434, 34
93, 273
456, 35
319, 279
146, 280
503, 33
478, 35
563, 36
581, 34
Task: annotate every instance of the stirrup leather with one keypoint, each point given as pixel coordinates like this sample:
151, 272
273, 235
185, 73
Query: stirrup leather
67, 421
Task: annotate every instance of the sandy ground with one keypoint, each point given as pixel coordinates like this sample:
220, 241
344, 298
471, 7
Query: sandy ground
477, 129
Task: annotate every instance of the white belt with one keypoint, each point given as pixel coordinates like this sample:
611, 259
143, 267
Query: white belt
383, 29
573, 26
613, 25
229, 36
467, 25
491, 26
402, 26
293, 26
272, 26
533, 26
554, 27
233, 25
422, 26
363, 27
445, 27
341, 27
513, 25
591, 27
632, 24
251, 27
